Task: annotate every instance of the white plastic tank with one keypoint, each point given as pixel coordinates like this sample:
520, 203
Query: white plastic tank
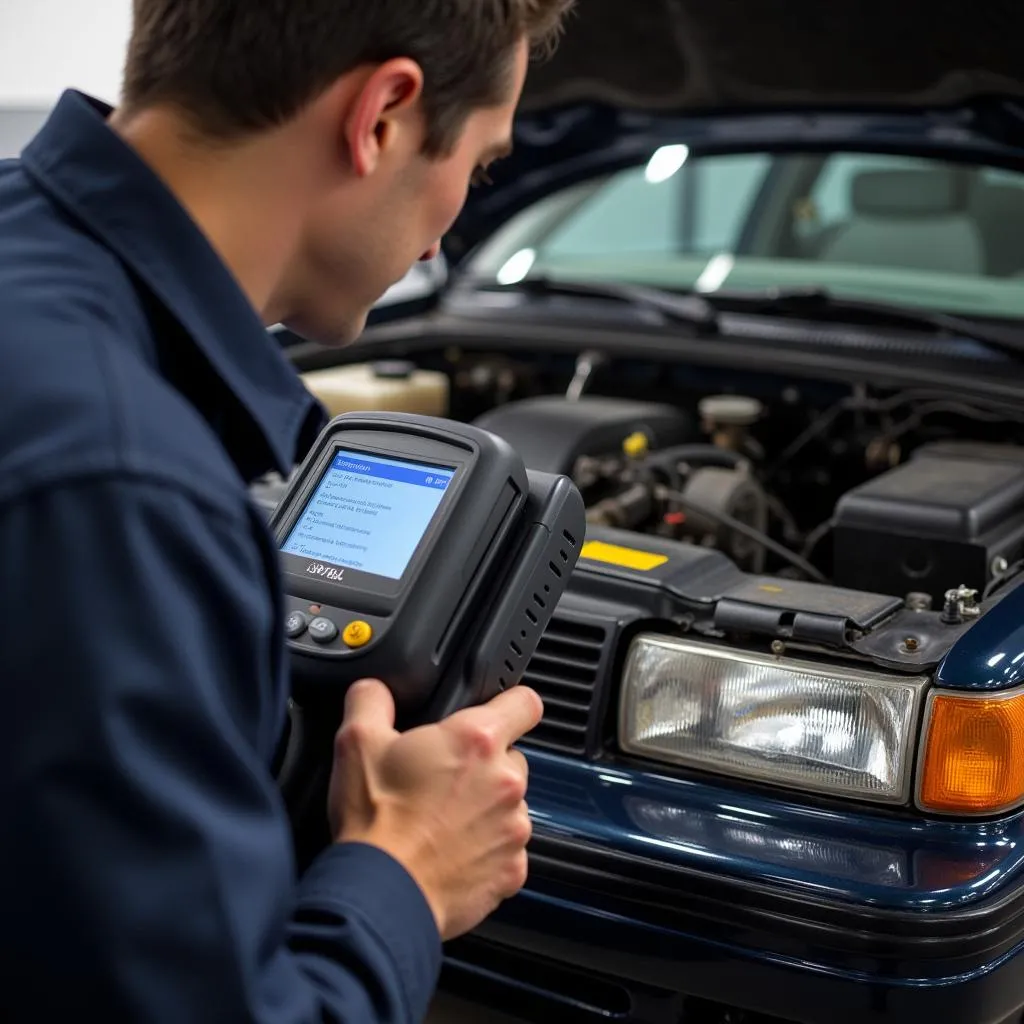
386, 386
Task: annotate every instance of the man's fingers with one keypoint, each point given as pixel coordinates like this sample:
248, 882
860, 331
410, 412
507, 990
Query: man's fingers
509, 716
520, 710
521, 765
369, 705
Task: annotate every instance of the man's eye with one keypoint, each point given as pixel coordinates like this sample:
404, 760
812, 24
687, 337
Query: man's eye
480, 177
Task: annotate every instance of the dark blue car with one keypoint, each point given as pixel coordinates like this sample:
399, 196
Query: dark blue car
754, 277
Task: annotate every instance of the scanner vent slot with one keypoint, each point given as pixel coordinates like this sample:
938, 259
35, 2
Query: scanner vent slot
565, 671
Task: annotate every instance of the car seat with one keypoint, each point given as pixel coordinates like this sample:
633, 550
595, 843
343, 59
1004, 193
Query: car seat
915, 219
999, 210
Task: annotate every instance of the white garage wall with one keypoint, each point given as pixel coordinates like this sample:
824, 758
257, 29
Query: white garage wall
49, 45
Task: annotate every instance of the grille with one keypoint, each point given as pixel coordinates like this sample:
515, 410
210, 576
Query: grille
564, 671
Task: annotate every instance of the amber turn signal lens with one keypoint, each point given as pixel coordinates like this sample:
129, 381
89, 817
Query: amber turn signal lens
973, 754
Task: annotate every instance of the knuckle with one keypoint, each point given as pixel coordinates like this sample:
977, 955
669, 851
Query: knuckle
511, 786
482, 740
522, 831
518, 873
522, 766
518, 827
350, 737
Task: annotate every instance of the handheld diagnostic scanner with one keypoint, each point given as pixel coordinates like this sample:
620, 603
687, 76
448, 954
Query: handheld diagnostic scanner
421, 552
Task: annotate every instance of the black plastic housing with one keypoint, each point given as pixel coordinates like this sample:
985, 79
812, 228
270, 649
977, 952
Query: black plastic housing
937, 522
465, 617
551, 432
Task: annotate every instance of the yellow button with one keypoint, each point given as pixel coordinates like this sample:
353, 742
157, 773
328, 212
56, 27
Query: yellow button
357, 634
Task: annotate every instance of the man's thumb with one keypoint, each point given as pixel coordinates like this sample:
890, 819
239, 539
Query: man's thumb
370, 703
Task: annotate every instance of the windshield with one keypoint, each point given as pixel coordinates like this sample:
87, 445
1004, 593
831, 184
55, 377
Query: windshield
945, 237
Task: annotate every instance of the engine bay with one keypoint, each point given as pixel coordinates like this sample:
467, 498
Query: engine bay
822, 515
948, 516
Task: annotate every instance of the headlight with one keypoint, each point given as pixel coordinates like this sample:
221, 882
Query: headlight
794, 723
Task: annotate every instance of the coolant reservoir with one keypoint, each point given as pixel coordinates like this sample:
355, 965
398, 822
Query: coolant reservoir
394, 386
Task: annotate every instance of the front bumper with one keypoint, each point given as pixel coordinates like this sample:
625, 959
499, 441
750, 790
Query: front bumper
651, 895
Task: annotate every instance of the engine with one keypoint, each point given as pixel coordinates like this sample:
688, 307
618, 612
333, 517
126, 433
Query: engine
915, 495
639, 469
948, 518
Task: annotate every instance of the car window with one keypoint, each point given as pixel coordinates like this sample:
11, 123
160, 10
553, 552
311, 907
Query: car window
902, 229
725, 192
665, 206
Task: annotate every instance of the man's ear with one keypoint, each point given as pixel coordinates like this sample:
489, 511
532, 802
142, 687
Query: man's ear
383, 112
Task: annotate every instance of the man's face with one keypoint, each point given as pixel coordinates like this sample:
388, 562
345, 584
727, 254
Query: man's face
366, 234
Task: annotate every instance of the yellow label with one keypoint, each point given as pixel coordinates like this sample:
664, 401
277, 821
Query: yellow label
626, 558
770, 588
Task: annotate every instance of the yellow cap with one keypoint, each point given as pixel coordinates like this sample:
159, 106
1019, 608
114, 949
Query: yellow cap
636, 445
357, 634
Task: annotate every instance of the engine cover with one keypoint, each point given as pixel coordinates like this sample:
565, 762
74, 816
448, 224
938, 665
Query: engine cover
551, 432
940, 521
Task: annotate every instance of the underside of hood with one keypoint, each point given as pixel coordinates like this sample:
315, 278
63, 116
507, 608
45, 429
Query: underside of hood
720, 55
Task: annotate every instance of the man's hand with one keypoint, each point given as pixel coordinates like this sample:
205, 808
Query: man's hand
447, 801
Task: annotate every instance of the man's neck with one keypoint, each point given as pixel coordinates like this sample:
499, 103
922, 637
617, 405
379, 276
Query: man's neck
246, 197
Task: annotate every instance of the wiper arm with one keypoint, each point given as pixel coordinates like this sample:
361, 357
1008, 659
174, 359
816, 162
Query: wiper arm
690, 309
815, 302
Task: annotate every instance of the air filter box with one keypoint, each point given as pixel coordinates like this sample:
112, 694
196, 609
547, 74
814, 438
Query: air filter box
942, 519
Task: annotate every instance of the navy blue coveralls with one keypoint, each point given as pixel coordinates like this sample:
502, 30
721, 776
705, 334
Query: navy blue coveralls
146, 869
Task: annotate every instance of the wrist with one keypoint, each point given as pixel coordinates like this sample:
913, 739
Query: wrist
409, 862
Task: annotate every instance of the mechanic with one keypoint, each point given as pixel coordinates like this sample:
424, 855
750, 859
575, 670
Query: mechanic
270, 161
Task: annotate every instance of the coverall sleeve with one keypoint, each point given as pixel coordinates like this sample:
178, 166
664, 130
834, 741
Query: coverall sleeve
146, 868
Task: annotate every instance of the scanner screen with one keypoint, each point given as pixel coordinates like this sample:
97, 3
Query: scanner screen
369, 513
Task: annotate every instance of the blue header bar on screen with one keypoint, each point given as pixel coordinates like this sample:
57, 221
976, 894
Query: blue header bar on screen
390, 469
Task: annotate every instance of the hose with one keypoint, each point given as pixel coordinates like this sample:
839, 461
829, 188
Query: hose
751, 533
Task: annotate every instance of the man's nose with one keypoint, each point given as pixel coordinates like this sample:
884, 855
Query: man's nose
431, 253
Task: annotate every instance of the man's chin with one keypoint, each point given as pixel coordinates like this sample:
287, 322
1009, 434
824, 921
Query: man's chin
330, 335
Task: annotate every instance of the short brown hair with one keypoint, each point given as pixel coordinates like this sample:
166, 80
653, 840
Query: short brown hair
241, 66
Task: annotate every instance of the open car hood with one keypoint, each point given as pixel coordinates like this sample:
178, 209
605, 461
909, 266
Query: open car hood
688, 56
632, 75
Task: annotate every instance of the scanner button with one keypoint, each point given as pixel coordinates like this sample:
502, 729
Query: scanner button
357, 634
295, 625
322, 630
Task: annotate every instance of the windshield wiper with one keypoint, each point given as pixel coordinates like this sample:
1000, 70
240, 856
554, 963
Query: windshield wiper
817, 303
690, 309
703, 312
